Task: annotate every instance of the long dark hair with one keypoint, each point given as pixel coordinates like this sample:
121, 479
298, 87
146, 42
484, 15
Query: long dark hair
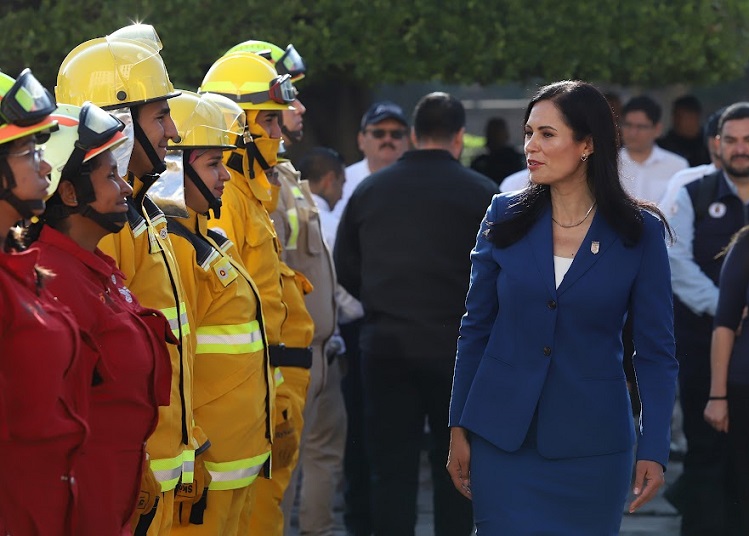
588, 114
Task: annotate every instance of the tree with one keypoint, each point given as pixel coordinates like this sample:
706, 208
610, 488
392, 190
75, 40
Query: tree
353, 46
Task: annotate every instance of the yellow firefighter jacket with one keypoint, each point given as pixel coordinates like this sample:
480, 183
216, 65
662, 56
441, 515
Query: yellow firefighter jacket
245, 221
233, 383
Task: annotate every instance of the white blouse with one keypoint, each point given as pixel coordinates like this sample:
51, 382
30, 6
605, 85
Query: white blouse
561, 265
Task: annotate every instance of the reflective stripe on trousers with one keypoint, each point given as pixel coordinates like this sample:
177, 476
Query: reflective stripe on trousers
277, 376
237, 474
234, 339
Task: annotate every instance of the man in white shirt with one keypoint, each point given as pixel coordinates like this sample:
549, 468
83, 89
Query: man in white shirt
383, 138
645, 167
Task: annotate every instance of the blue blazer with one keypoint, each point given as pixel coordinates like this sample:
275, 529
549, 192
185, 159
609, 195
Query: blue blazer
525, 345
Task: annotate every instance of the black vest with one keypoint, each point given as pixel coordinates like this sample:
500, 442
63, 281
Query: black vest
719, 213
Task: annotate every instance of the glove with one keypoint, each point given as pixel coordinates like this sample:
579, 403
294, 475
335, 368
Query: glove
286, 437
190, 499
334, 347
187, 496
150, 491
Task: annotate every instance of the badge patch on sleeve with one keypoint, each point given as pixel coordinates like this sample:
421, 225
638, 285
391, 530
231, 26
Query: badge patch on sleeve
225, 271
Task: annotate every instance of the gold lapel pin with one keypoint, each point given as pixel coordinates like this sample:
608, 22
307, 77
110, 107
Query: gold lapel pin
595, 247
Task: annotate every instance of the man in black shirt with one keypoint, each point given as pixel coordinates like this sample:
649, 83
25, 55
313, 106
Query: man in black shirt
403, 250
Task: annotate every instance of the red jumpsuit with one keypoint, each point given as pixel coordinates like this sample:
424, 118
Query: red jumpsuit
42, 397
132, 378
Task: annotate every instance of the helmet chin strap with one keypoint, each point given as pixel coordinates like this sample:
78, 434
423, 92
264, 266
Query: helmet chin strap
148, 180
214, 203
26, 208
111, 221
156, 162
253, 152
84, 191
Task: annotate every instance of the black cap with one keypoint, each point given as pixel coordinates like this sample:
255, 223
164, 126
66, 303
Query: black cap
381, 110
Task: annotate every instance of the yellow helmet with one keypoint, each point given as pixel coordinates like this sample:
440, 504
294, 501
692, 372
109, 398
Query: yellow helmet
143, 33
285, 61
113, 72
201, 123
251, 81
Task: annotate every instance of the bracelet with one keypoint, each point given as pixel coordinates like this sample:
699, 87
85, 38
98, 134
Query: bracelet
717, 397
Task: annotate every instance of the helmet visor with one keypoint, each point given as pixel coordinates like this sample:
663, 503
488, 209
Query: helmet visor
96, 127
291, 63
281, 91
143, 33
26, 102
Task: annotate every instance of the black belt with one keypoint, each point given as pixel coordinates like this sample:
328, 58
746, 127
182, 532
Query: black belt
285, 356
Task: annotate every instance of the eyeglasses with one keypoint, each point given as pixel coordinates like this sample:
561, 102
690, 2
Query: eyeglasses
637, 126
37, 152
379, 133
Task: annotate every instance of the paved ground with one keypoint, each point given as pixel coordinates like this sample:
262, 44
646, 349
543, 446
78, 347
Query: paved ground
657, 518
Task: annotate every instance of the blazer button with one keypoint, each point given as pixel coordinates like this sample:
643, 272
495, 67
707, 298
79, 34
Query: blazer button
552, 304
547, 351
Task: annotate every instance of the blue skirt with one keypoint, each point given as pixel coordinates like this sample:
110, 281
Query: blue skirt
522, 493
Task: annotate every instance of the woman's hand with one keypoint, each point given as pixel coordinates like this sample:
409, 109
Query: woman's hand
459, 461
648, 480
716, 414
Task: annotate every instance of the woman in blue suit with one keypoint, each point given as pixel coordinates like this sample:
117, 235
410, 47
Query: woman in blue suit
541, 429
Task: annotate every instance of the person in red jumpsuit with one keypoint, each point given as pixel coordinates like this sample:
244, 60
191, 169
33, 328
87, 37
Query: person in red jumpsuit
41, 427
132, 376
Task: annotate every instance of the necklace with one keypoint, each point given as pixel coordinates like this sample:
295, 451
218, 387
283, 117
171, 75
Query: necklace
578, 223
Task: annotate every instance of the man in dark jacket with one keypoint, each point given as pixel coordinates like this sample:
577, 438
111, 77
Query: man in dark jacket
403, 250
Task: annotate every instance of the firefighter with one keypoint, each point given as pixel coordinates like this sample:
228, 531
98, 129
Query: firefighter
124, 73
126, 342
41, 380
253, 83
298, 227
233, 382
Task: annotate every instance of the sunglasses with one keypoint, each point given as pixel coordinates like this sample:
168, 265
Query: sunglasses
379, 133
37, 154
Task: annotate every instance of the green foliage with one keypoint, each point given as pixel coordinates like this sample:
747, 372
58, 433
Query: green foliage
472, 147
651, 42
